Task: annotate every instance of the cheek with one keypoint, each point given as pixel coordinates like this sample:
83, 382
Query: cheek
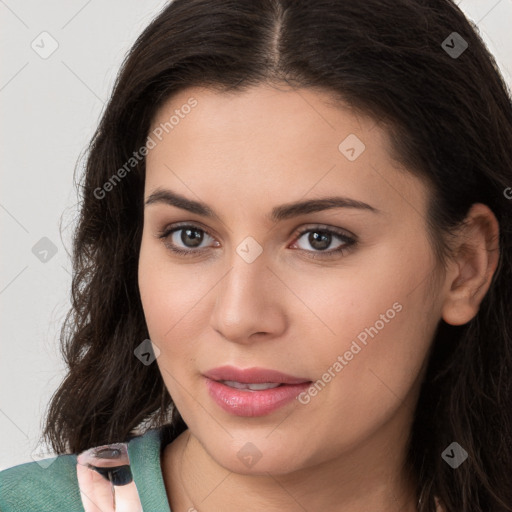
168, 293
371, 335
359, 386
173, 299
170, 302
377, 326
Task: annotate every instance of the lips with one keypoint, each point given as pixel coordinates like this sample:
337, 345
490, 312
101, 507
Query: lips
252, 376
230, 388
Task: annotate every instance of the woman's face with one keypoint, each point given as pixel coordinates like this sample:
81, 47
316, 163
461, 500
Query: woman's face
331, 294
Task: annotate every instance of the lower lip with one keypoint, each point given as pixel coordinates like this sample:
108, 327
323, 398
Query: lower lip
253, 403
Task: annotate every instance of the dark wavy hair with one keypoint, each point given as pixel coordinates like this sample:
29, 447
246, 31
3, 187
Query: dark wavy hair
450, 121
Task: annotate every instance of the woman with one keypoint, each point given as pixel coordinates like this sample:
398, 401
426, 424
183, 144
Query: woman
292, 270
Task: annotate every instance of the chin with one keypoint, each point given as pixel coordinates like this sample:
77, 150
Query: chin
258, 457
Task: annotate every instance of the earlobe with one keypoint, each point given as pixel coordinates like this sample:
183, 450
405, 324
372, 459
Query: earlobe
459, 312
477, 256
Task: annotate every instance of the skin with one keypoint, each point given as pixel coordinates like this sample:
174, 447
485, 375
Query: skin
243, 154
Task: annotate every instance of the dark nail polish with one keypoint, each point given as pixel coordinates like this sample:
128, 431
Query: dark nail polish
120, 475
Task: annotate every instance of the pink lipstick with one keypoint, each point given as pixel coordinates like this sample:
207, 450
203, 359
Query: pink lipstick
253, 391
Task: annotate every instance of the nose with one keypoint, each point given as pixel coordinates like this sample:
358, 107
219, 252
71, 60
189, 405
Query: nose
249, 302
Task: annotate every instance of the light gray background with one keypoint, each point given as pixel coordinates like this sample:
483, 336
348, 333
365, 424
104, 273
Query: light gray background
49, 109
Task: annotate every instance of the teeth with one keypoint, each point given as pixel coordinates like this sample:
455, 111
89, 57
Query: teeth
250, 387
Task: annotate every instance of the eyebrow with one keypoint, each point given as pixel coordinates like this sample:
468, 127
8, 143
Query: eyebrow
278, 213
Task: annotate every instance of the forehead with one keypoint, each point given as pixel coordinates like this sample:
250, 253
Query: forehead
262, 110
280, 142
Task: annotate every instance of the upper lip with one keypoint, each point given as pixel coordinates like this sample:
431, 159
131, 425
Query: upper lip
252, 375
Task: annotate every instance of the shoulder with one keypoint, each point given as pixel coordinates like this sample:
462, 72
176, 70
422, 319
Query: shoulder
47, 485
52, 484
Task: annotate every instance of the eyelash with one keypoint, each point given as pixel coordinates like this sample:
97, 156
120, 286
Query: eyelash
349, 242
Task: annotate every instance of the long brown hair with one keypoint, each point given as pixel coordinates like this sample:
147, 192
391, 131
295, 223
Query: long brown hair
450, 117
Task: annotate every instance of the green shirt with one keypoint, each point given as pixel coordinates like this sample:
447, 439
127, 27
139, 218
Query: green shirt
32, 487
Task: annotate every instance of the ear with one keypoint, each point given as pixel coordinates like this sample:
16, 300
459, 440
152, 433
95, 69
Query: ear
470, 274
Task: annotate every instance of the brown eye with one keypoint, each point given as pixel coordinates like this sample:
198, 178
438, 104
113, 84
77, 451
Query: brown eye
320, 240
185, 239
191, 237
